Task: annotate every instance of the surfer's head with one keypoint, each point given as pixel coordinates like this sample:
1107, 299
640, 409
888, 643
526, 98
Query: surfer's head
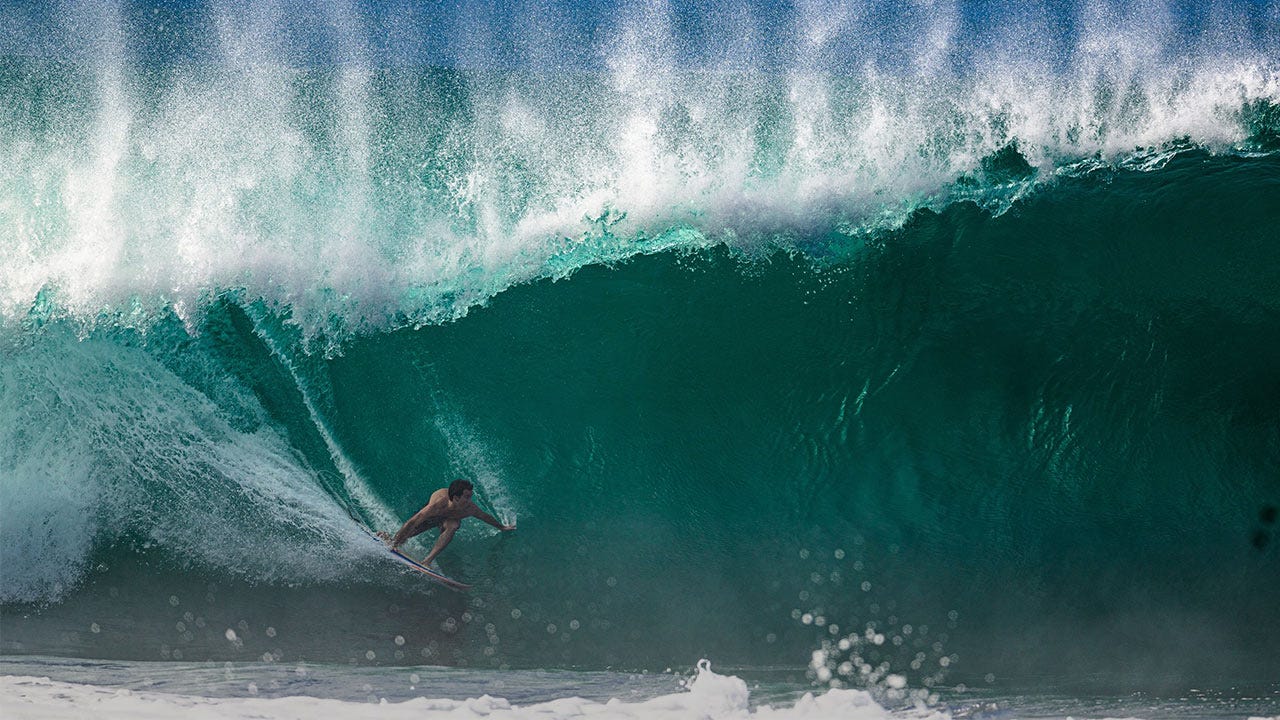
458, 488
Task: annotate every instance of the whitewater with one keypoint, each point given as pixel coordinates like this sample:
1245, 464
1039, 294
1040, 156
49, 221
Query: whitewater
356, 167
708, 695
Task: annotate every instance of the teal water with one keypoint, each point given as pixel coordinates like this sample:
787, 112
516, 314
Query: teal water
960, 368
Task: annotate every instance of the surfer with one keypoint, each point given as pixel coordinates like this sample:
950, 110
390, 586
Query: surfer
447, 508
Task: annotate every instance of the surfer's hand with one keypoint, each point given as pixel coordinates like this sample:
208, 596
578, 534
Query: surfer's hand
507, 528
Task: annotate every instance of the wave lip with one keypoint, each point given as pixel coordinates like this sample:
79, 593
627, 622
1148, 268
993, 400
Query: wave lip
363, 191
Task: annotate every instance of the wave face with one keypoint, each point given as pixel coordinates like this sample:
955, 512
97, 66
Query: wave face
950, 336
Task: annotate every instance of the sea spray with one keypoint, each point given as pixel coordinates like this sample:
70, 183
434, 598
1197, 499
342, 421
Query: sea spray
158, 159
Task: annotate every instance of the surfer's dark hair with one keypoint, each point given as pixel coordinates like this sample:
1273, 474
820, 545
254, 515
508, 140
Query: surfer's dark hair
457, 487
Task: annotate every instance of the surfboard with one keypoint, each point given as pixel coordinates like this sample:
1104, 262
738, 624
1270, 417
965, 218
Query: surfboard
433, 575
417, 566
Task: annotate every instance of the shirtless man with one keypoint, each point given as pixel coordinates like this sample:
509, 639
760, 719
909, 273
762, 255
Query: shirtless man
447, 508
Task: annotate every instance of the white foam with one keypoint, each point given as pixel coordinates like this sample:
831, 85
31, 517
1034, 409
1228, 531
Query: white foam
709, 697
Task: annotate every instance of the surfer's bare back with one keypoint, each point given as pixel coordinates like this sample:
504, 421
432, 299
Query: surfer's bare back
447, 508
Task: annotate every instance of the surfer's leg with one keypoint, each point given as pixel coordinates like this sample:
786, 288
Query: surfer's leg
447, 529
411, 528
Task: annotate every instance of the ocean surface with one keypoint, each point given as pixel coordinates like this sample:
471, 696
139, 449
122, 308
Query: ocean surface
855, 359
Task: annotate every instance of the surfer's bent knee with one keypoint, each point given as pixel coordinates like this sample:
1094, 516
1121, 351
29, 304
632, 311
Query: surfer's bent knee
409, 530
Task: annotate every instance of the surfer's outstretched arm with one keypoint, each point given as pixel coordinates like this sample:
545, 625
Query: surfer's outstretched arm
478, 513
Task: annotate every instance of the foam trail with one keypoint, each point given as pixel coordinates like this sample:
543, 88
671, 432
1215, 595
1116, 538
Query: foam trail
468, 454
470, 457
353, 484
